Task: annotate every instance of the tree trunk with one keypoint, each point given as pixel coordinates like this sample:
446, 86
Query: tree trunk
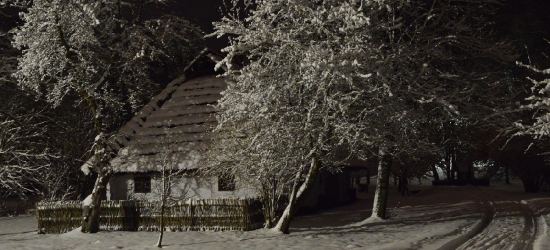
382, 187
532, 184
399, 185
507, 171
471, 171
271, 199
454, 166
403, 185
159, 242
90, 223
91, 210
434, 172
162, 205
298, 196
368, 177
269, 213
453, 170
448, 163
161, 228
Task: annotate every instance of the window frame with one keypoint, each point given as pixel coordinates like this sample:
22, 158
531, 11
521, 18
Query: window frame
226, 183
142, 184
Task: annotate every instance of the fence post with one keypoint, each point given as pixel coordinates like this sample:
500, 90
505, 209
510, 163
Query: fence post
38, 211
191, 214
244, 222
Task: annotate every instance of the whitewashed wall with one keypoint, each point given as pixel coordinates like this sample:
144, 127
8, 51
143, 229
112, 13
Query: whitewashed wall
121, 187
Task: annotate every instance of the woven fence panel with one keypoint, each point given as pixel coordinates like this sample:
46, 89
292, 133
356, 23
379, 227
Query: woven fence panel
119, 215
190, 215
219, 214
149, 216
58, 217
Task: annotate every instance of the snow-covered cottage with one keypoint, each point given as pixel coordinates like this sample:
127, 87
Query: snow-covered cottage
168, 132
171, 129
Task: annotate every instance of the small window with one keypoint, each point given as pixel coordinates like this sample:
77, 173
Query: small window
142, 184
226, 183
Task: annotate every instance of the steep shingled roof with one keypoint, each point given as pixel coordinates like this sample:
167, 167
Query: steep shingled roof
174, 132
173, 126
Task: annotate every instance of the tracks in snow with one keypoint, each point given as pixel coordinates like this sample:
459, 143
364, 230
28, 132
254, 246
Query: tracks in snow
505, 225
478, 229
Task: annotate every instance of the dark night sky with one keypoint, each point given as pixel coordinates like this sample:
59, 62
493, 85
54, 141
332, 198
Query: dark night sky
203, 13
200, 12
525, 22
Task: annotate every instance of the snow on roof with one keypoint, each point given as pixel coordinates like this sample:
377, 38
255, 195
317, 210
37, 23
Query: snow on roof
175, 130
174, 123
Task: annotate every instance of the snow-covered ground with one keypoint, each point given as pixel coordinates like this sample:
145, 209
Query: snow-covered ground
435, 218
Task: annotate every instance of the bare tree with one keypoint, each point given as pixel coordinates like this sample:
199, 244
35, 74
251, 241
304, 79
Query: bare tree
107, 53
174, 187
21, 165
24, 154
441, 60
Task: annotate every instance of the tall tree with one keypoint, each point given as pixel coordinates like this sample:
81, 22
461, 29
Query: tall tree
526, 111
442, 64
22, 162
325, 78
293, 107
108, 52
24, 153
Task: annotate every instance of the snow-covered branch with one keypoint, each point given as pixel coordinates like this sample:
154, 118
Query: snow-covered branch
108, 55
21, 161
539, 103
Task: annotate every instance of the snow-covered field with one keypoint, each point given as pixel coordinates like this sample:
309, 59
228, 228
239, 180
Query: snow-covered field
435, 218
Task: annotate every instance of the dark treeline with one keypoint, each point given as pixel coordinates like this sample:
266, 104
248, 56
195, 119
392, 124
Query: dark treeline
59, 139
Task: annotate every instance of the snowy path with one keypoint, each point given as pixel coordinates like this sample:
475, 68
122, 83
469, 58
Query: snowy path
437, 218
485, 219
476, 230
508, 223
541, 207
511, 227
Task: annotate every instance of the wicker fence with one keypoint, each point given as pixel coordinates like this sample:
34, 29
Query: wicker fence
190, 215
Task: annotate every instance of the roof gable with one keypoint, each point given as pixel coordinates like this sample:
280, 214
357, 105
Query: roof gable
176, 131
173, 127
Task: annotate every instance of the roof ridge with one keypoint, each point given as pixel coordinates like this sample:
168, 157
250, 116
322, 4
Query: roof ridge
130, 128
